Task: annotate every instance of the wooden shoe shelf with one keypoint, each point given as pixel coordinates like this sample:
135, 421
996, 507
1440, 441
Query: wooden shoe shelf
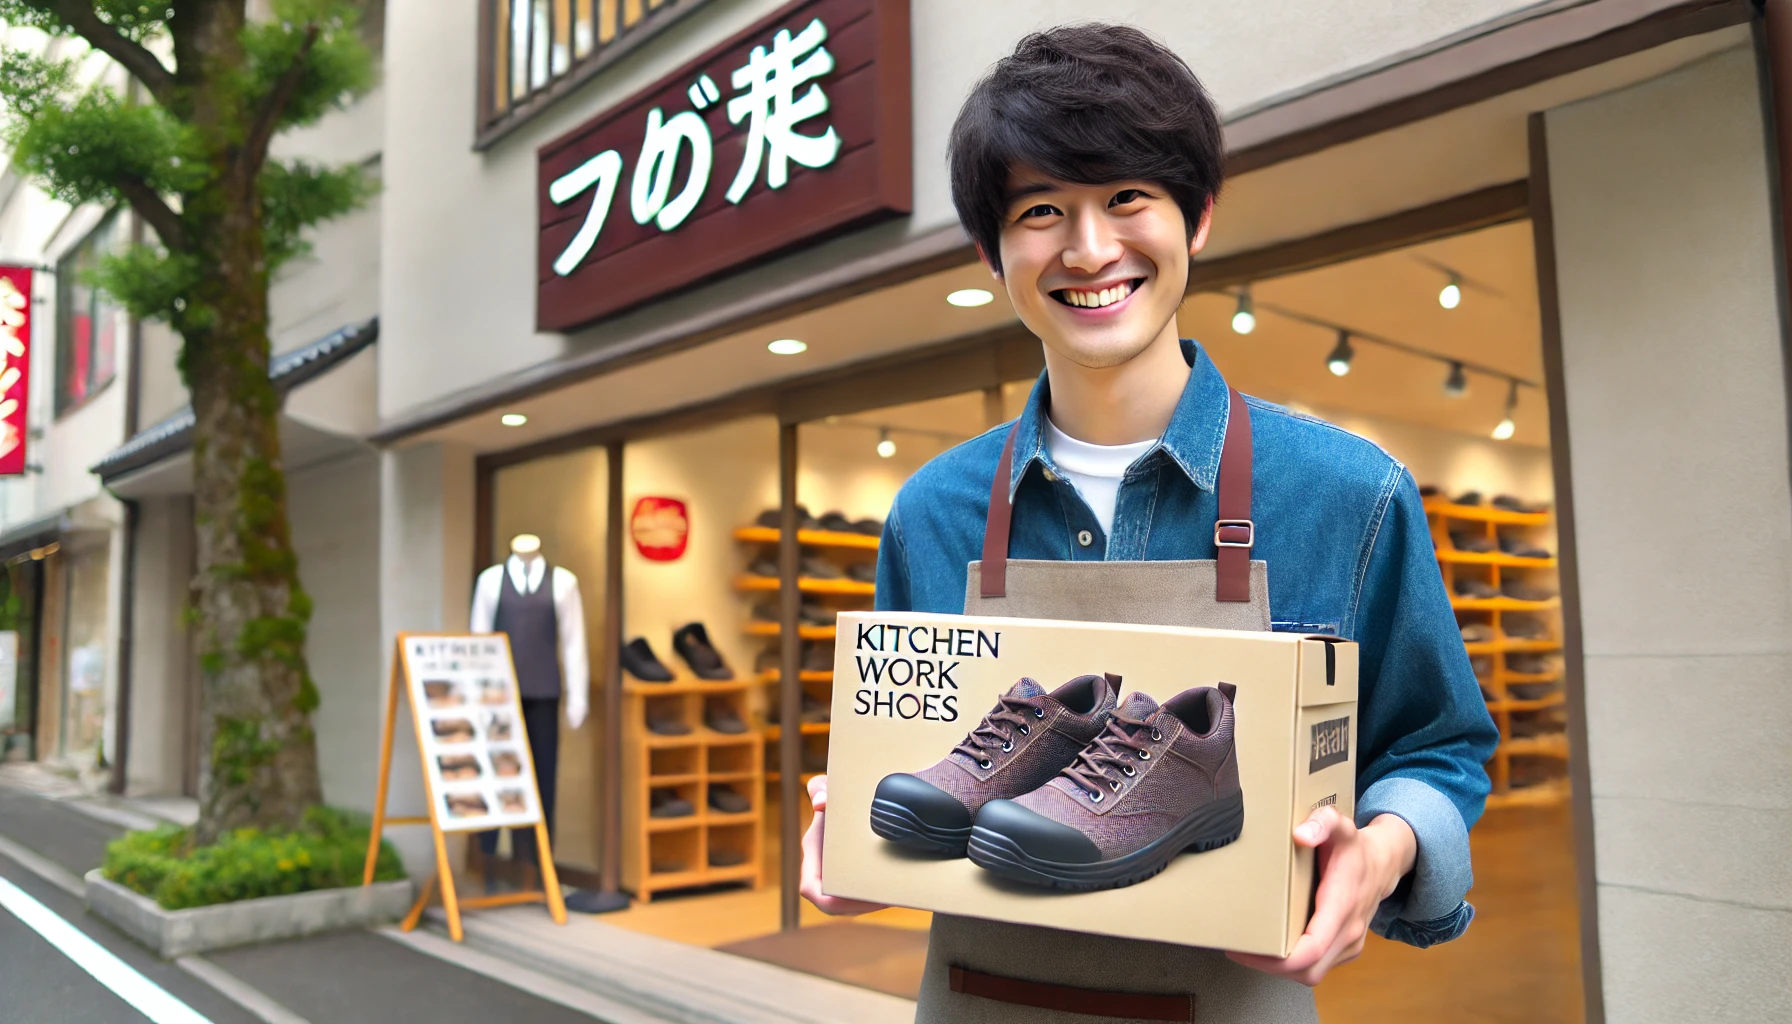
1550, 750
841, 549
659, 854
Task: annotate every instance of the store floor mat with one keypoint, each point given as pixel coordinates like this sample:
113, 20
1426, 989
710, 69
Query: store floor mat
870, 956
1519, 963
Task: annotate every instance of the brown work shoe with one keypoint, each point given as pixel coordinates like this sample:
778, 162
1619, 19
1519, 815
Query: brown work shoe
1024, 741
1156, 782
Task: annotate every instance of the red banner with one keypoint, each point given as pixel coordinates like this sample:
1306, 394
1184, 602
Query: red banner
15, 366
660, 527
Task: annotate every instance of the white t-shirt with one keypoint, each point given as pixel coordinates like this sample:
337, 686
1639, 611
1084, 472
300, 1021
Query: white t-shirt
1095, 469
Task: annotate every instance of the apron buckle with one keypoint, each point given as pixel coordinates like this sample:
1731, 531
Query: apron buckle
1225, 533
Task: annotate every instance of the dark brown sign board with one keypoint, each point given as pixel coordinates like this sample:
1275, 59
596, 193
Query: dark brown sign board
792, 130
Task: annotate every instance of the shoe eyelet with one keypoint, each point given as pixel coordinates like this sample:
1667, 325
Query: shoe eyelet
1008, 746
1156, 736
1129, 770
1115, 786
1095, 797
984, 764
1144, 755
1038, 712
1023, 729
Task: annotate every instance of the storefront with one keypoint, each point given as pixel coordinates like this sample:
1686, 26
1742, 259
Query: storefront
1423, 254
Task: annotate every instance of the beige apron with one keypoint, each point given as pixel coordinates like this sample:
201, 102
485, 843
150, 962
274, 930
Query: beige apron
1036, 965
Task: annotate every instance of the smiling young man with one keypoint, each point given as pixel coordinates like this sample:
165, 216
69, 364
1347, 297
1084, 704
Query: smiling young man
1085, 167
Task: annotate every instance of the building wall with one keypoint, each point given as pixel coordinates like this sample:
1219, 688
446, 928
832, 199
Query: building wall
161, 654
1677, 415
461, 223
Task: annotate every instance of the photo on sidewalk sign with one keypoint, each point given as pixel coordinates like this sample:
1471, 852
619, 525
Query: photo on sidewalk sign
469, 727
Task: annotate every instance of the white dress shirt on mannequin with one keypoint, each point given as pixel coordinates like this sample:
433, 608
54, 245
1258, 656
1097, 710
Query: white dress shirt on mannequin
569, 621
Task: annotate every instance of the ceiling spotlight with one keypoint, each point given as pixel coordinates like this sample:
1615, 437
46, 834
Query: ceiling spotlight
1245, 320
513, 419
885, 446
1506, 428
1339, 361
1451, 295
787, 347
1456, 385
971, 297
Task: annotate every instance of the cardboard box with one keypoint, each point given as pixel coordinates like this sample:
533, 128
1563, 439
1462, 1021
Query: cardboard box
908, 687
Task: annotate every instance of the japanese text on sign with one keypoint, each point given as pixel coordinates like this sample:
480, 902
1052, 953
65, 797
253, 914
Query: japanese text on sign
15, 366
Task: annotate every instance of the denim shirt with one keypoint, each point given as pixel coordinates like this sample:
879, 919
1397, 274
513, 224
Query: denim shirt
1343, 529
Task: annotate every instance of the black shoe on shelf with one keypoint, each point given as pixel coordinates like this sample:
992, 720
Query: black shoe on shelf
816, 710
771, 518
813, 614
1518, 547
763, 567
862, 572
720, 716
1467, 498
1525, 629
836, 522
727, 801
638, 660
1477, 543
666, 803
727, 858
1531, 691
1480, 589
818, 569
1525, 591
1511, 504
691, 641
818, 657
869, 527
1429, 490
667, 725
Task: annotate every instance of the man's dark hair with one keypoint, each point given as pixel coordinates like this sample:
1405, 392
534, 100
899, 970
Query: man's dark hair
1086, 104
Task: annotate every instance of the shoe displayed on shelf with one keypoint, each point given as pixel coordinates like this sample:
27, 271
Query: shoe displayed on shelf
765, 611
1483, 667
1525, 724
771, 518
638, 660
720, 716
869, 527
1511, 504
818, 569
666, 803
1531, 691
691, 641
1478, 543
764, 567
1158, 781
1518, 547
1526, 629
667, 724
1474, 588
818, 657
1021, 744
814, 709
1429, 490
1477, 633
727, 858
727, 801
1519, 591
862, 572
812, 614
1467, 498
836, 522
1525, 772
1532, 664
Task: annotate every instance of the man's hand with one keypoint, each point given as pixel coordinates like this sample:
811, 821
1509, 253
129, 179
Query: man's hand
811, 879
1358, 868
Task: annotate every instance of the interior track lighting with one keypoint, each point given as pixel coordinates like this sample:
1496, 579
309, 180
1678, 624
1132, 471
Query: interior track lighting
1456, 384
1244, 321
885, 447
1339, 361
1506, 427
1451, 295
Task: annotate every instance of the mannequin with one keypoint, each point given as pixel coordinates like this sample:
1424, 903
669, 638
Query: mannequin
538, 607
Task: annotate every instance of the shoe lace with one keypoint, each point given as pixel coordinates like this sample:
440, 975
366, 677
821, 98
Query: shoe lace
988, 738
1114, 750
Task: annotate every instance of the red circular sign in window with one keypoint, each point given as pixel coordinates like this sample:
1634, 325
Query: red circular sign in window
661, 528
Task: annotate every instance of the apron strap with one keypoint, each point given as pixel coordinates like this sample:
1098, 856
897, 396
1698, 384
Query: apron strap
1233, 534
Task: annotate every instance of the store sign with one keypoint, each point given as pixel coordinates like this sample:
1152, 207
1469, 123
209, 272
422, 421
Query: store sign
794, 129
15, 366
660, 528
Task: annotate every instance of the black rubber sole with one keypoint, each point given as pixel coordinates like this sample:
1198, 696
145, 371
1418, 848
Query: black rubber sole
892, 821
1208, 828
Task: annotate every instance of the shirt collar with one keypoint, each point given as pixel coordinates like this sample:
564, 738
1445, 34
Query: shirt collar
1193, 440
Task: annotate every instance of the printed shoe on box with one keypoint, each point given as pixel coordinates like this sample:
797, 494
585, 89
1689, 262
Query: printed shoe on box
1156, 782
1028, 737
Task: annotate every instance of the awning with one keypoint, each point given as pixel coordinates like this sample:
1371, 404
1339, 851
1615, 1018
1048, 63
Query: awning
33, 533
174, 434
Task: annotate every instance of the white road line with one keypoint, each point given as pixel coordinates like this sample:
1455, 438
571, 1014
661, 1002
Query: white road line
144, 995
239, 991
44, 868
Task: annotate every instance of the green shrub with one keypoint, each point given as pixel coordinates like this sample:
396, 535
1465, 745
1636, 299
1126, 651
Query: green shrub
327, 852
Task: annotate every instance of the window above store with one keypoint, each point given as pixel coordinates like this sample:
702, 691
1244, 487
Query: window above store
88, 323
533, 52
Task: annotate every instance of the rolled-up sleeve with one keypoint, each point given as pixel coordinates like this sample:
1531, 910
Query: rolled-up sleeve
1424, 732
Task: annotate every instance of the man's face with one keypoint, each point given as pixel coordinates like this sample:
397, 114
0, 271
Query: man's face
1095, 271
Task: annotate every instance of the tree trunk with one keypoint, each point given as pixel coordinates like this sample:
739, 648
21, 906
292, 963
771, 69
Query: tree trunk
259, 752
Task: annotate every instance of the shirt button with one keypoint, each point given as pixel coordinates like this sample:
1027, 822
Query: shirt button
1085, 538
